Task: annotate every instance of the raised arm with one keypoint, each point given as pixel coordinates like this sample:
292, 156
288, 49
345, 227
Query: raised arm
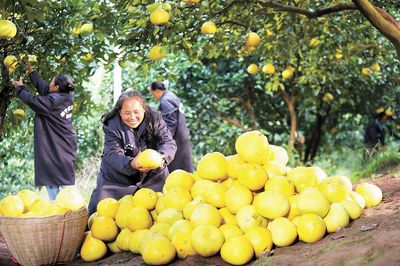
41, 86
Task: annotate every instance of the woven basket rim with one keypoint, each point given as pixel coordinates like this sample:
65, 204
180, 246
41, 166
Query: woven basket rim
51, 217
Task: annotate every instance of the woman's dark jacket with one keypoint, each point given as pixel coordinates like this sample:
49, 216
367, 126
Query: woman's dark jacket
55, 141
121, 144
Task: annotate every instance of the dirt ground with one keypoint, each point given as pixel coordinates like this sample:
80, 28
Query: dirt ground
373, 239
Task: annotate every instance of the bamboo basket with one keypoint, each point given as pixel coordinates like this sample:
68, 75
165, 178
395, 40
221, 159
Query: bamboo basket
44, 240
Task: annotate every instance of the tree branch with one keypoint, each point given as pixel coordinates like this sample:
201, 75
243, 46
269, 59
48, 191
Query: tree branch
382, 21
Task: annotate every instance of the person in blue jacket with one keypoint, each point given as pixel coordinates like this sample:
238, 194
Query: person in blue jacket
55, 141
172, 112
130, 127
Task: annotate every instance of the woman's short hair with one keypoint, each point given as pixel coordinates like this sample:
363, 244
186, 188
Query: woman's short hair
64, 83
157, 86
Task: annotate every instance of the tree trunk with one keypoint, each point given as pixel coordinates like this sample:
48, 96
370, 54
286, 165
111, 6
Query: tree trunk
291, 104
312, 143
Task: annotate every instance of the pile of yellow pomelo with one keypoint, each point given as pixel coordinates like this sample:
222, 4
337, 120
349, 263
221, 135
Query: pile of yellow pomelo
239, 206
28, 203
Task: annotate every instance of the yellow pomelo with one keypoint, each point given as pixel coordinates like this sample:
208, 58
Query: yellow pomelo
278, 155
205, 214
253, 147
357, 198
180, 226
215, 195
195, 176
127, 199
336, 218
91, 218
107, 207
274, 169
154, 215
40, 206
234, 163
123, 239
237, 197
200, 187
104, 228
252, 176
268, 69
371, 193
304, 177
121, 217
188, 210
160, 204
139, 218
179, 178
293, 211
70, 198
183, 244
135, 239
87, 57
159, 16
177, 197
162, 228
283, 232
311, 228
252, 69
158, 251
11, 206
228, 182
7, 29
145, 197
19, 113
252, 39
54, 209
261, 240
150, 158
313, 201
248, 217
113, 247
271, 204
169, 216
237, 250
213, 166
10, 61
156, 234
86, 29
157, 52
335, 188
28, 197
92, 249
207, 240
227, 216
208, 27
296, 220
353, 209
230, 230
287, 74
281, 184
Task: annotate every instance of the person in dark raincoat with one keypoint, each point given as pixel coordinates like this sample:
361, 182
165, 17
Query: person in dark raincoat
55, 141
132, 126
172, 112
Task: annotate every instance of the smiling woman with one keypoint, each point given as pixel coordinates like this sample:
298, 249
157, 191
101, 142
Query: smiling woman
129, 128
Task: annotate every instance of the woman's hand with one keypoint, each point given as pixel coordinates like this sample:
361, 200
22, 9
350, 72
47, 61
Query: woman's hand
17, 83
27, 64
138, 167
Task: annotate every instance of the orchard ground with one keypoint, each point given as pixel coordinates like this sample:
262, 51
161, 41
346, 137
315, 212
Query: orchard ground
373, 239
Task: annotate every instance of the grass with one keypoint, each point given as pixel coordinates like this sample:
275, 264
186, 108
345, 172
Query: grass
381, 162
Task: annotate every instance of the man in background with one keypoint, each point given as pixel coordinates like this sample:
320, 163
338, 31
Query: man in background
172, 112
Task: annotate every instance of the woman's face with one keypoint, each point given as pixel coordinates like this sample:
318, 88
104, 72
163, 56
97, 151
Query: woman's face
53, 87
132, 112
